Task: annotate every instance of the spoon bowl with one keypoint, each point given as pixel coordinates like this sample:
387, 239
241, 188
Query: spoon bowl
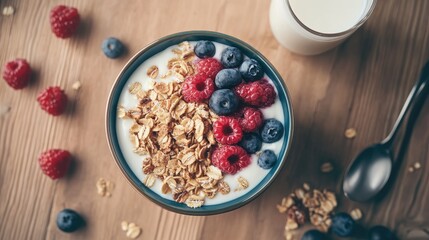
370, 171
368, 174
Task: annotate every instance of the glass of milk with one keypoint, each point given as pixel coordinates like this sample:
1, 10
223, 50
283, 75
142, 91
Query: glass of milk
311, 27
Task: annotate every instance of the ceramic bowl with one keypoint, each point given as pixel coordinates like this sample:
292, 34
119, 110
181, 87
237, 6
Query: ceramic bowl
158, 46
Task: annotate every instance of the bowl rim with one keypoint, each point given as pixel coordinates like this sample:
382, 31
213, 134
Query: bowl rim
189, 34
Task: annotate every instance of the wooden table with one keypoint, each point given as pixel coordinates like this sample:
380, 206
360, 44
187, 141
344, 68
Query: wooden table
361, 84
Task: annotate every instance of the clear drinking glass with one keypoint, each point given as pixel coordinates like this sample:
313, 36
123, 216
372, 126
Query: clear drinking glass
296, 36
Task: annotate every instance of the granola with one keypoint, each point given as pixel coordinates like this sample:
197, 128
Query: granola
76, 85
152, 72
175, 138
350, 133
132, 230
242, 184
414, 167
326, 167
8, 11
356, 214
417, 165
316, 204
104, 187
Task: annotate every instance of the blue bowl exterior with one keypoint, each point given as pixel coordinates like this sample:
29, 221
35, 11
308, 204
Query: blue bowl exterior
159, 46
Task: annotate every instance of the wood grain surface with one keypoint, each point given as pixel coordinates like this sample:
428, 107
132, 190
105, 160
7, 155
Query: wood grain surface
361, 84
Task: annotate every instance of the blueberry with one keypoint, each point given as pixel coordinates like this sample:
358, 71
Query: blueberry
227, 78
380, 233
205, 49
69, 220
272, 130
343, 225
267, 159
251, 70
251, 142
112, 47
224, 102
314, 235
231, 57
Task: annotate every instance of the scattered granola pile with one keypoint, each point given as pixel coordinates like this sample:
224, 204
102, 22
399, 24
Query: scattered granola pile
132, 230
308, 205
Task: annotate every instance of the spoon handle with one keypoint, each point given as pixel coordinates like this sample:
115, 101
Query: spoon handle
416, 91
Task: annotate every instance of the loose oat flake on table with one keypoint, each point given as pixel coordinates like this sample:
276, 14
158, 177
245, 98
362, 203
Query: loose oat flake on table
414, 167
417, 165
76, 85
132, 230
326, 167
4, 110
8, 11
350, 133
104, 187
175, 138
356, 214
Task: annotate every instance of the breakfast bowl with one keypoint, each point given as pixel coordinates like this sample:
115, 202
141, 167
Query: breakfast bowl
163, 132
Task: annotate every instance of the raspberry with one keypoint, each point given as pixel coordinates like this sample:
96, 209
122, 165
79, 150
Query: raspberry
258, 93
17, 73
230, 159
250, 119
227, 130
209, 67
64, 21
55, 163
197, 88
53, 100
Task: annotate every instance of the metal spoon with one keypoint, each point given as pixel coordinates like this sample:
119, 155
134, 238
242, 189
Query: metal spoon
369, 172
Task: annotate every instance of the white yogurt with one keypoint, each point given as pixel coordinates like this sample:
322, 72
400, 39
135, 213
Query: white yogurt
253, 173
